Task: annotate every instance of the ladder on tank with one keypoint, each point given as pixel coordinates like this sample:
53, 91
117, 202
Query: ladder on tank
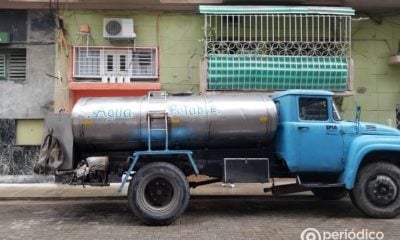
157, 103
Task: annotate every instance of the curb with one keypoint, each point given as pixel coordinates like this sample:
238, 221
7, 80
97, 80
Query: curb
195, 197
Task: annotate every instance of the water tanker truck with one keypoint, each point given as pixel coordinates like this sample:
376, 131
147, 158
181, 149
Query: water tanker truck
248, 138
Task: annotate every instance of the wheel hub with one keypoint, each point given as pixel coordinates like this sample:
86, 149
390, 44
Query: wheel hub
382, 190
159, 193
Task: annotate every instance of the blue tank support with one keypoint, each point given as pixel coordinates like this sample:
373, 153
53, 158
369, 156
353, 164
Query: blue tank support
138, 154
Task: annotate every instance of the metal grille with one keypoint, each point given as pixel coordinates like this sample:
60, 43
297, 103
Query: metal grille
2, 66
278, 34
94, 63
113, 28
13, 65
87, 62
17, 65
275, 48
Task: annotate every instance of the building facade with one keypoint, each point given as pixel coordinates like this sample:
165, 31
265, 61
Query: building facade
27, 55
188, 57
55, 56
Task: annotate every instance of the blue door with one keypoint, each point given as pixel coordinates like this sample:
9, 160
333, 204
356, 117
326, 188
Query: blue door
319, 136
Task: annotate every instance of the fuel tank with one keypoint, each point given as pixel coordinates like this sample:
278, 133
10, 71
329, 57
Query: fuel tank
193, 122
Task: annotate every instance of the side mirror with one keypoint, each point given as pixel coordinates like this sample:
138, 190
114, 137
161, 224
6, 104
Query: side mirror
358, 112
358, 116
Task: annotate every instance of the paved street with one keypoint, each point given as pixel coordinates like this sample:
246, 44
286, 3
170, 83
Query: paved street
217, 218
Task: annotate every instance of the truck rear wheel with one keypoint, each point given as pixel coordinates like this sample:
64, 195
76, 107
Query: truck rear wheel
330, 193
158, 193
377, 190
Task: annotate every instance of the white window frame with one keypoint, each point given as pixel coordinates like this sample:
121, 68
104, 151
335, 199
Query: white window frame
135, 70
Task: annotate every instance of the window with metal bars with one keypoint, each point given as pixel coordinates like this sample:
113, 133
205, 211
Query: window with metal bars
278, 34
13, 64
2, 66
277, 47
95, 63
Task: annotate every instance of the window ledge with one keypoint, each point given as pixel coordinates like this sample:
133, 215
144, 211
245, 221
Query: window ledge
114, 86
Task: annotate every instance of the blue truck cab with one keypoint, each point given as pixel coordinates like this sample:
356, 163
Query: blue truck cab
333, 156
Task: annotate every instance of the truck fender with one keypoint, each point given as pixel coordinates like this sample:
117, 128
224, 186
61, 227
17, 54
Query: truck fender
362, 146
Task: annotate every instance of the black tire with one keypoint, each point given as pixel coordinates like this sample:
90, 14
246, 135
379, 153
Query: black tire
377, 190
158, 193
330, 193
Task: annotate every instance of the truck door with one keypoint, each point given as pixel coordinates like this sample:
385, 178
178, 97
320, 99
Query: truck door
319, 135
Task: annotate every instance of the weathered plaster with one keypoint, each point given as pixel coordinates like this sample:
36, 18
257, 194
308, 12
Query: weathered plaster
376, 83
32, 98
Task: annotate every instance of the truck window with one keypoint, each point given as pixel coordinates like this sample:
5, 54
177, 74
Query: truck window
314, 109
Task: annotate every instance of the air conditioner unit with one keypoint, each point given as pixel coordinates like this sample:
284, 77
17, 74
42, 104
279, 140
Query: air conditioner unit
118, 29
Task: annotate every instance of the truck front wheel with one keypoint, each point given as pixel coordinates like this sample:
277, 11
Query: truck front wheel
376, 190
158, 193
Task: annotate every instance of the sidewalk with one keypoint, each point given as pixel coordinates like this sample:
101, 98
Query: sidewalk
42, 191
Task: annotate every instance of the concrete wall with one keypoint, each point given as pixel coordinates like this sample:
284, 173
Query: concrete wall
24, 104
32, 98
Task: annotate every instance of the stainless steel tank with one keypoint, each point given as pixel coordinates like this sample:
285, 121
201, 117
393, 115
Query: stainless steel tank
194, 122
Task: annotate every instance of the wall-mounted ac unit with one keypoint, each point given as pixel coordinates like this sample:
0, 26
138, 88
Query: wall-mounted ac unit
118, 29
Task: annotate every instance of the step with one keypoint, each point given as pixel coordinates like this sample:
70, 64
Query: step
321, 185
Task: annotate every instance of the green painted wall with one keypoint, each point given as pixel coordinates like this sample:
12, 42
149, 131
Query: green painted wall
372, 44
178, 36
